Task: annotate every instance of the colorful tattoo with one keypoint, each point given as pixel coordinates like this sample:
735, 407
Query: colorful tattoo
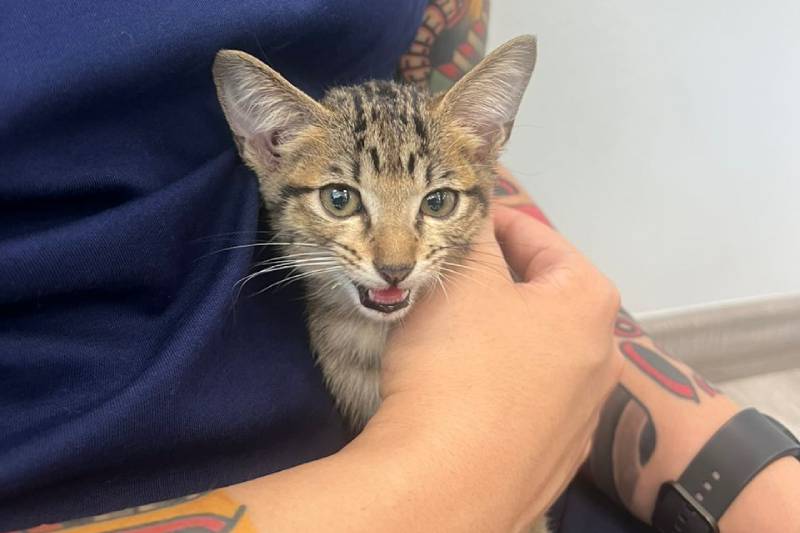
659, 369
507, 192
705, 385
212, 512
450, 41
505, 187
622, 446
626, 327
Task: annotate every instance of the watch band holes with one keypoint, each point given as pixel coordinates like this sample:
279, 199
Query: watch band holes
715, 475
698, 497
707, 486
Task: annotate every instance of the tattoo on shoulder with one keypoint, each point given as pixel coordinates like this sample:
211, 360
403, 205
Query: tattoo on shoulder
449, 42
211, 512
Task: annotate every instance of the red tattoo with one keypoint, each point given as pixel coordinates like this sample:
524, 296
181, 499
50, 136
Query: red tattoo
450, 41
659, 370
533, 211
503, 187
626, 327
199, 523
705, 386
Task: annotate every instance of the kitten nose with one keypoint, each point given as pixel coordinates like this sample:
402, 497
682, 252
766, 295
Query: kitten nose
394, 274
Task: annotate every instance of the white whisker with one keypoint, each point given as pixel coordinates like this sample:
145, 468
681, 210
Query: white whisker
296, 277
474, 269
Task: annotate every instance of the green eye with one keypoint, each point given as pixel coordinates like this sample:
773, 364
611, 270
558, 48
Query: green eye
439, 203
340, 201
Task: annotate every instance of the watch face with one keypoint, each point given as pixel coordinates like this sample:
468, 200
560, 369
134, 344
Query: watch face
678, 512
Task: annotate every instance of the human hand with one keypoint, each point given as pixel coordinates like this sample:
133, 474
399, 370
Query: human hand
498, 384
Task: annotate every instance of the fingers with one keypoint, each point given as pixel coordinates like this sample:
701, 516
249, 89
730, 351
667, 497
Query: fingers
529, 246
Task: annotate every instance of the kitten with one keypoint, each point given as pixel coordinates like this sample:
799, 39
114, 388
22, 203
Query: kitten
377, 190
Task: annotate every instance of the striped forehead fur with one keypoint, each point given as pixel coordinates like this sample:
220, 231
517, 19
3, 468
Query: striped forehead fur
389, 124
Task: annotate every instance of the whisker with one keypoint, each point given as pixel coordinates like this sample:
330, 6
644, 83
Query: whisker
230, 234
469, 249
258, 245
490, 266
297, 277
474, 269
438, 277
300, 254
331, 285
298, 262
463, 275
273, 268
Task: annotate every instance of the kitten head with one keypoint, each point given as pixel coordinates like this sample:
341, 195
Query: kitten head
378, 189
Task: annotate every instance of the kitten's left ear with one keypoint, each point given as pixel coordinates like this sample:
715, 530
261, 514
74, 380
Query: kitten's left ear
263, 109
487, 98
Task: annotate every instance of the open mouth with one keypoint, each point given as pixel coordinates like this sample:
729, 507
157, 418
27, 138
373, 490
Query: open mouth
384, 300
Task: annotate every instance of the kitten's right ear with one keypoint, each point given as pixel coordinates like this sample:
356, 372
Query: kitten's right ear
264, 110
486, 100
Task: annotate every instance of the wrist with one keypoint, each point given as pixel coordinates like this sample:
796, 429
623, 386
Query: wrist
681, 427
768, 504
729, 468
444, 467
685, 436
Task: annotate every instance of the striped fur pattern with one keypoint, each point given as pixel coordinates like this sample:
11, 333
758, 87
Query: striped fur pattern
393, 144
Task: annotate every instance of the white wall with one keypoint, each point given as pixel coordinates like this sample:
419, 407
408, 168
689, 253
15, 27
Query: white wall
663, 138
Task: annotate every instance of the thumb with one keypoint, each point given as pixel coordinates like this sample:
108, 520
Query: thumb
531, 248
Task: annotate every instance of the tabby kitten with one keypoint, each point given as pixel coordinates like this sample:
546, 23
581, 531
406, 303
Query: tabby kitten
376, 191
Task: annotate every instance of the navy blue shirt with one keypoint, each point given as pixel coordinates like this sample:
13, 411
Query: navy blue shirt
129, 370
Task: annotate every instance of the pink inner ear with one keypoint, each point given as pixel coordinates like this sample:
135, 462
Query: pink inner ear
267, 147
274, 141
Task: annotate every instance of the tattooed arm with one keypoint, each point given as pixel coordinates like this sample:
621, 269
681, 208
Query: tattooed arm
659, 417
662, 413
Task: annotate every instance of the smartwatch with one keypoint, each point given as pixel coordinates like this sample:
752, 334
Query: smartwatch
737, 452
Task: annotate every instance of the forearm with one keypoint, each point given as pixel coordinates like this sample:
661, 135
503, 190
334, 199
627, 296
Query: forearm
659, 418
656, 423
337, 493
399, 475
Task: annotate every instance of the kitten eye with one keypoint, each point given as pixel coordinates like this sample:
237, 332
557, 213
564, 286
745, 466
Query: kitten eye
340, 201
439, 203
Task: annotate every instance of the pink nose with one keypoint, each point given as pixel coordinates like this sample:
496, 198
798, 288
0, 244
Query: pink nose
394, 274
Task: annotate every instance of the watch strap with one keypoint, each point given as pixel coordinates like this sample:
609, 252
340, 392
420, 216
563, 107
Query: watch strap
736, 453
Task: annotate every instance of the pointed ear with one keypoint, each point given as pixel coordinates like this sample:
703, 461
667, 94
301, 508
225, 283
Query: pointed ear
264, 110
485, 101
